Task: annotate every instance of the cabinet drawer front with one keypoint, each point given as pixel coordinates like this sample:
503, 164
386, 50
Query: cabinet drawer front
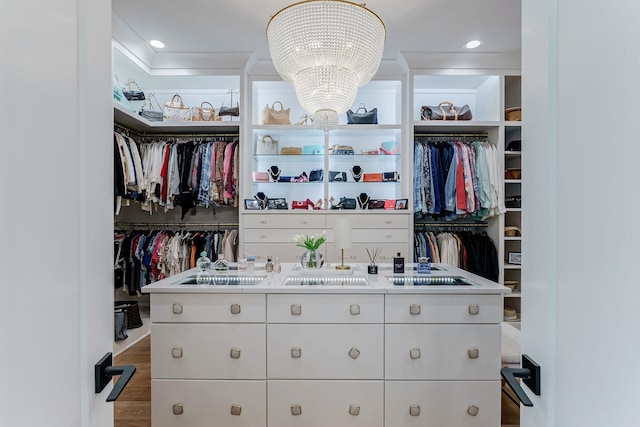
442, 352
208, 351
375, 221
196, 403
278, 220
325, 308
185, 308
438, 403
326, 403
379, 235
444, 308
276, 235
325, 351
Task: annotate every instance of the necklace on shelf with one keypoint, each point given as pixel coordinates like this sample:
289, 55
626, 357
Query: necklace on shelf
275, 172
356, 172
363, 200
262, 199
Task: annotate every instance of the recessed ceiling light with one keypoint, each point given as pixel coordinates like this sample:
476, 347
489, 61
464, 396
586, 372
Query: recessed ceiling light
473, 44
157, 44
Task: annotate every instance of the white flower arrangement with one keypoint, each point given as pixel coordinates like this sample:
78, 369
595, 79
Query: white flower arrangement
310, 243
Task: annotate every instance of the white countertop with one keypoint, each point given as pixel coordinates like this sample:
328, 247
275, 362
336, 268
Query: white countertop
377, 284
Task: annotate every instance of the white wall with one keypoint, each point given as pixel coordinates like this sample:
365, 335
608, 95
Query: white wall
56, 170
580, 113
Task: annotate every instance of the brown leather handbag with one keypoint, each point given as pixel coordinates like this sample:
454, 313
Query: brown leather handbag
445, 111
372, 177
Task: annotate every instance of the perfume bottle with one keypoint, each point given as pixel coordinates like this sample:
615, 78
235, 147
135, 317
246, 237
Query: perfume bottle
277, 267
268, 267
220, 266
398, 264
424, 267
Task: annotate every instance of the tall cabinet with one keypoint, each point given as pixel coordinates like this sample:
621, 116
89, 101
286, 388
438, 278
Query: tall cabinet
361, 162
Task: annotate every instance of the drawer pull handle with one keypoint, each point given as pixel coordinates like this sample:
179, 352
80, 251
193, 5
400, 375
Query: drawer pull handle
236, 409
235, 309
414, 353
414, 309
389, 222
235, 353
354, 410
414, 410
388, 236
178, 409
354, 353
354, 309
304, 222
473, 410
296, 352
296, 410
296, 309
263, 221
263, 236
474, 309
473, 353
176, 352
177, 308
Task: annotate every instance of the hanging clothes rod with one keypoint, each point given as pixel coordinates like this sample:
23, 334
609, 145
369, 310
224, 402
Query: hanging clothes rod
451, 135
121, 128
450, 224
173, 225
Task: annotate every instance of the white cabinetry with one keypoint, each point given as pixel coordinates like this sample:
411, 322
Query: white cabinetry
326, 358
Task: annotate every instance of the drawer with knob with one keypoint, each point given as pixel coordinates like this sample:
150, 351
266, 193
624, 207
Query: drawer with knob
186, 308
375, 221
208, 351
185, 403
443, 308
442, 352
326, 403
442, 403
315, 351
325, 308
271, 220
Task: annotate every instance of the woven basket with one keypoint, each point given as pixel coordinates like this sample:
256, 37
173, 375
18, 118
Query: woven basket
513, 114
133, 313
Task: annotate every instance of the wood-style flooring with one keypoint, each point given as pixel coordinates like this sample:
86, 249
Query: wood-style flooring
133, 407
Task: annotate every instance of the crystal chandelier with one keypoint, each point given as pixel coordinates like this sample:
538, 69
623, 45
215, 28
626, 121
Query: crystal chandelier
326, 49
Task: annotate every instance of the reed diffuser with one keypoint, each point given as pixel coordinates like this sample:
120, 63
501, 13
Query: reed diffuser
373, 268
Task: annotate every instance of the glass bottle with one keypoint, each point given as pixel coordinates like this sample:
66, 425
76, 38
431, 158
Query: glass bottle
277, 267
220, 265
268, 267
203, 277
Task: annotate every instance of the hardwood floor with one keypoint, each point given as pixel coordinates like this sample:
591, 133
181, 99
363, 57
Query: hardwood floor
133, 407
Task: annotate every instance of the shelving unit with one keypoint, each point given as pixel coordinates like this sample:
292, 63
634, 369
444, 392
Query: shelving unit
263, 235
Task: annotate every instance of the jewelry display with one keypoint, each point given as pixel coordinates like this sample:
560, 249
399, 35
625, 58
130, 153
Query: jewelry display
262, 200
274, 172
356, 172
363, 200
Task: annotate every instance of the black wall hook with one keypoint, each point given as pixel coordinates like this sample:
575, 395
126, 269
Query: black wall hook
104, 371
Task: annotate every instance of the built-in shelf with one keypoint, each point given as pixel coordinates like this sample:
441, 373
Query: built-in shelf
512, 267
513, 181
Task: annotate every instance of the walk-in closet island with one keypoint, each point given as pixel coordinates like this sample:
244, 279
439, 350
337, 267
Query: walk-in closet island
318, 348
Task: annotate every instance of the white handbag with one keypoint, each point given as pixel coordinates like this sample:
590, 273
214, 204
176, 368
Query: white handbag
267, 145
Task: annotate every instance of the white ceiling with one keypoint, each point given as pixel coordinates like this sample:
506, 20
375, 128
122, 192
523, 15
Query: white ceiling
210, 34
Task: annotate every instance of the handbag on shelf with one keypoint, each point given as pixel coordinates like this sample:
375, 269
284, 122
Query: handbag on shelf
271, 116
150, 113
513, 114
260, 176
362, 116
389, 204
291, 150
376, 204
341, 149
335, 176
133, 313
389, 176
278, 203
347, 203
445, 111
229, 110
316, 175
176, 110
513, 201
133, 95
313, 149
203, 113
300, 204
267, 145
372, 177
